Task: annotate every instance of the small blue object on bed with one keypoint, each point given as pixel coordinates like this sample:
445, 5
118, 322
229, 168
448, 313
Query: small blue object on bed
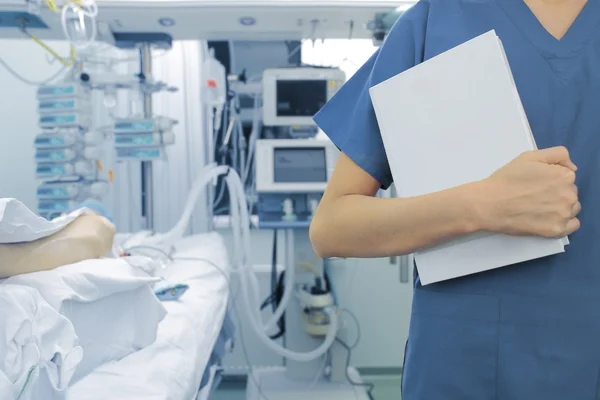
170, 292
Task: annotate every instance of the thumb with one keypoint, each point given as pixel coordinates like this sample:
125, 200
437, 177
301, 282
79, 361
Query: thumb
554, 156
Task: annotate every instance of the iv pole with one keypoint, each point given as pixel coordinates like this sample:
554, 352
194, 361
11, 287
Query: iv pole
147, 178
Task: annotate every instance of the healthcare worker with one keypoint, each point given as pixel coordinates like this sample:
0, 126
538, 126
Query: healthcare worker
523, 332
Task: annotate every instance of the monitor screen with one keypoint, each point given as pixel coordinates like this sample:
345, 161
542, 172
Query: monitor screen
300, 165
300, 98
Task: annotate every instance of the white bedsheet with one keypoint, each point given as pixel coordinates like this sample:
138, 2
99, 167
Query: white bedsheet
172, 367
19, 224
38, 347
110, 303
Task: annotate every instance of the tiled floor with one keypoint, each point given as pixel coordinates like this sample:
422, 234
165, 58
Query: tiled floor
386, 388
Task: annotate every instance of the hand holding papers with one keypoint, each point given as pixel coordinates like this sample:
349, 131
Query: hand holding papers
455, 119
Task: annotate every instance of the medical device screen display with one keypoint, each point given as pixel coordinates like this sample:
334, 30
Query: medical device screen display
300, 98
300, 165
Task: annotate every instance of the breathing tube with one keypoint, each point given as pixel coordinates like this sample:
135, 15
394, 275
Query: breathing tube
240, 224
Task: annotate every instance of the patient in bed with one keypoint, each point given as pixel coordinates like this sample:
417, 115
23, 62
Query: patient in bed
89, 236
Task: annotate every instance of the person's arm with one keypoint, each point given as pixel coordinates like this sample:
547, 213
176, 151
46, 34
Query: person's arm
533, 195
351, 222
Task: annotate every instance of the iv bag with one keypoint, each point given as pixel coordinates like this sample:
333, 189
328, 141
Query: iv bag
214, 81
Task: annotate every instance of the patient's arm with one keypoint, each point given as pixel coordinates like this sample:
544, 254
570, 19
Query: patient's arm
89, 236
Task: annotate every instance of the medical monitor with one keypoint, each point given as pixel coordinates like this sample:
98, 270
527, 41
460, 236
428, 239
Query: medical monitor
294, 165
292, 96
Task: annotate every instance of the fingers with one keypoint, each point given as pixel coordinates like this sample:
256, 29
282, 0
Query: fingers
568, 175
572, 226
564, 229
576, 210
555, 156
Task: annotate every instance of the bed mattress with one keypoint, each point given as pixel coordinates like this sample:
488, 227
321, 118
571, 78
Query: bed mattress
173, 367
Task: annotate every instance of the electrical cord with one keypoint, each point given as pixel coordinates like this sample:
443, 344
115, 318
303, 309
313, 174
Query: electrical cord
26, 81
358, 331
274, 265
368, 386
142, 247
224, 152
220, 210
294, 51
66, 62
221, 183
277, 286
275, 300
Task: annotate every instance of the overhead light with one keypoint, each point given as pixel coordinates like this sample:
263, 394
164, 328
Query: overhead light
166, 21
248, 21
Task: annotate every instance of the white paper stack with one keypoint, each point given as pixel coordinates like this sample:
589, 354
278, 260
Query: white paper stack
451, 120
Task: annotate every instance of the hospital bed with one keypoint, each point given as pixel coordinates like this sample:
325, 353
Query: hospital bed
184, 362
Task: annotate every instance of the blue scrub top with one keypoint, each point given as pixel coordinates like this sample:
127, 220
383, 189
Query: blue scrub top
528, 331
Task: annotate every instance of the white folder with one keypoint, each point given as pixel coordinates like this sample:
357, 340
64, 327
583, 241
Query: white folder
452, 120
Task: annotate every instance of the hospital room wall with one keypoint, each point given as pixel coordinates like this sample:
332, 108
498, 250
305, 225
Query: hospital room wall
371, 289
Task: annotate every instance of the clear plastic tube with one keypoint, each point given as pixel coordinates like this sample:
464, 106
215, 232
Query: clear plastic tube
240, 213
242, 264
236, 192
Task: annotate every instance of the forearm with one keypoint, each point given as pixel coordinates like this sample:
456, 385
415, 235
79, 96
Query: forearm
364, 226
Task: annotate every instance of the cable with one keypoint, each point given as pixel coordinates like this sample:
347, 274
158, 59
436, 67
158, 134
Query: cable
275, 301
358, 331
276, 290
218, 211
221, 183
224, 153
66, 62
368, 386
16, 75
141, 247
294, 52
274, 265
